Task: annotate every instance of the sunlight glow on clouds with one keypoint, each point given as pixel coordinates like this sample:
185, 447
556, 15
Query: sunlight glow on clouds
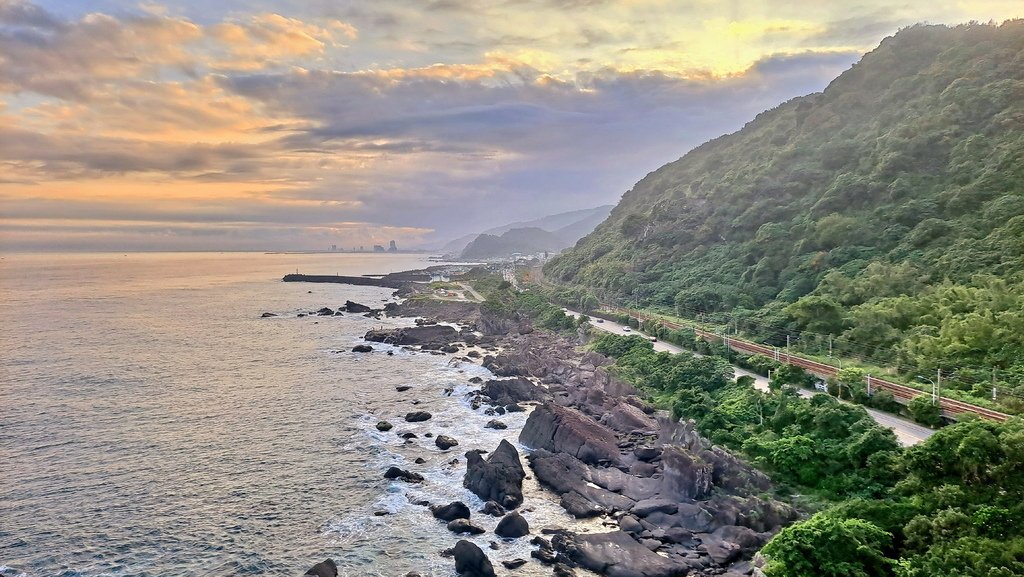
286, 125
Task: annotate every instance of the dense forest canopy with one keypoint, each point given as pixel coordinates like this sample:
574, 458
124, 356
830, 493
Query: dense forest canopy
886, 211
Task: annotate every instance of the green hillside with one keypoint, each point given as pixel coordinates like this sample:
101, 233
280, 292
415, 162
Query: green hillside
886, 211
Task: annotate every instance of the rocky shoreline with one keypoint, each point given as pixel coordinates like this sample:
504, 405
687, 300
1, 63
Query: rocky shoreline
672, 503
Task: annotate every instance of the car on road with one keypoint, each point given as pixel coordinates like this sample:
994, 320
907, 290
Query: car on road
653, 339
821, 385
598, 320
626, 329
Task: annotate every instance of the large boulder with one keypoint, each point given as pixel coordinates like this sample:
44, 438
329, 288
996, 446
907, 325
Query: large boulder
459, 526
512, 526
444, 442
616, 554
626, 418
408, 476
353, 307
437, 335
471, 561
565, 430
498, 478
686, 475
451, 511
417, 416
508, 391
325, 568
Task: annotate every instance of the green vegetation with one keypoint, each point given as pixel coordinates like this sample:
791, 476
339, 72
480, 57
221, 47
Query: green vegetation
952, 505
883, 216
504, 302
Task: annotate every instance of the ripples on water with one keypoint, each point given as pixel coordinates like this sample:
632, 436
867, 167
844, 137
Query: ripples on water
153, 424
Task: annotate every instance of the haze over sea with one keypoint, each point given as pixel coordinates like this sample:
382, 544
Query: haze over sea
153, 424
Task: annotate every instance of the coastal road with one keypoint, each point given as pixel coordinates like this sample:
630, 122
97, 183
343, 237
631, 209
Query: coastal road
907, 432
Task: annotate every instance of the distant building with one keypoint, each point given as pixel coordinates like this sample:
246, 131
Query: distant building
378, 248
392, 247
334, 248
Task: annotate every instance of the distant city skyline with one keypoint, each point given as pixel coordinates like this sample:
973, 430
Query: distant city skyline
289, 125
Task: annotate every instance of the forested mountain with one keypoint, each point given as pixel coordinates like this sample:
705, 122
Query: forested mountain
887, 211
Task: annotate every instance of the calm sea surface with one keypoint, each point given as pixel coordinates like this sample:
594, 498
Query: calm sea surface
151, 423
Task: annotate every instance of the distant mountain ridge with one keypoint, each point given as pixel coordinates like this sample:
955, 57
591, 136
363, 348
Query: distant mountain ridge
550, 233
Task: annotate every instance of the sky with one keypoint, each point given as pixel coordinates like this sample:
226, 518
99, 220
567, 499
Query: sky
295, 125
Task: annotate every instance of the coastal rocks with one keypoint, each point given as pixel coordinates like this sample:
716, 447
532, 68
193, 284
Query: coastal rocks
514, 563
362, 349
384, 426
326, 568
417, 416
451, 511
325, 312
460, 526
267, 315
408, 476
496, 424
493, 508
509, 391
686, 476
431, 335
616, 554
512, 526
565, 430
626, 418
353, 307
471, 561
499, 478
444, 442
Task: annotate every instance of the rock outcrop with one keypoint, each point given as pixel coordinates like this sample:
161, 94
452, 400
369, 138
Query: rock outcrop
566, 430
431, 335
499, 478
325, 568
471, 561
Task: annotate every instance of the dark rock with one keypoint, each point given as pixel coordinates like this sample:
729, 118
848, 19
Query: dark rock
507, 391
267, 315
356, 307
324, 569
473, 354
338, 313
616, 554
647, 453
514, 408
451, 511
471, 561
420, 460
444, 442
300, 315
381, 513
562, 570
656, 505
686, 476
514, 563
564, 430
417, 416
384, 426
325, 312
402, 388
408, 436
450, 349
476, 380
494, 546
512, 526
629, 524
721, 551
409, 476
362, 349
493, 508
499, 478
496, 424
436, 335
460, 525
579, 506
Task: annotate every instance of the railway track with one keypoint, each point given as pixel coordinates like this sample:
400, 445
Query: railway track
951, 408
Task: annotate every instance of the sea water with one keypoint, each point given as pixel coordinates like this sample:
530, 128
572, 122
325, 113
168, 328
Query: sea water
151, 423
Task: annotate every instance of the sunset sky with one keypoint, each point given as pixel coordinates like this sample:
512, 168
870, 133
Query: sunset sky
268, 125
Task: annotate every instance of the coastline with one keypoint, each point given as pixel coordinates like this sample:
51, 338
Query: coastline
652, 497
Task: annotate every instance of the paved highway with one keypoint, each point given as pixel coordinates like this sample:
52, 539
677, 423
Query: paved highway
908, 432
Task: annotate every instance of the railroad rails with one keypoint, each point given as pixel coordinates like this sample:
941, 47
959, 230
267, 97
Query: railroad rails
951, 408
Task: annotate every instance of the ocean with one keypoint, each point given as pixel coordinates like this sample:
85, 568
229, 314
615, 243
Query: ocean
151, 423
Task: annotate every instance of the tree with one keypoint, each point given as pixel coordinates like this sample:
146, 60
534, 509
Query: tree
824, 546
924, 411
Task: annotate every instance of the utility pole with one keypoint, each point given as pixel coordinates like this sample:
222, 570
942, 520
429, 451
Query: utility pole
830, 346
869, 385
787, 349
936, 386
993, 383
